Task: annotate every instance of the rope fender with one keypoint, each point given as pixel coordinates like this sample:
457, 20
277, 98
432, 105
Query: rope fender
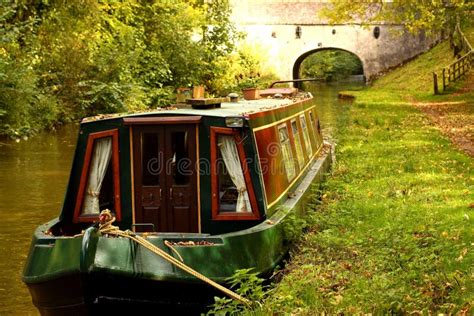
106, 228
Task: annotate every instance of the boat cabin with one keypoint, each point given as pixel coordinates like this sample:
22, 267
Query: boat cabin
191, 170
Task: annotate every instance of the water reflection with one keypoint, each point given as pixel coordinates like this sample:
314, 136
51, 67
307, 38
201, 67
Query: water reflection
33, 176
330, 108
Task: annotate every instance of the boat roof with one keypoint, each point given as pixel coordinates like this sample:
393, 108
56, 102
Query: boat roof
227, 109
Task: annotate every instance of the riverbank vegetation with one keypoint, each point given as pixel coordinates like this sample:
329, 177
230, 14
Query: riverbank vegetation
331, 65
429, 17
60, 61
393, 231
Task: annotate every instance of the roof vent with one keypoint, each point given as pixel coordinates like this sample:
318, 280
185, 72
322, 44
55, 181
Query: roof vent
234, 97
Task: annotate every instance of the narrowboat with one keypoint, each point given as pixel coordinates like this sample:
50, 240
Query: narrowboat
210, 182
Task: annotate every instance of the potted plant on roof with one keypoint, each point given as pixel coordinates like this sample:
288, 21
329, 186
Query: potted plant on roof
249, 88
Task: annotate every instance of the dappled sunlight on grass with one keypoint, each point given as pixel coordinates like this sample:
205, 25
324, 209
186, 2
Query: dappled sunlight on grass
395, 230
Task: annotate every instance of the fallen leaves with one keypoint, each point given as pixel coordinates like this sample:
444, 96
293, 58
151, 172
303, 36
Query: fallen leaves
462, 255
454, 119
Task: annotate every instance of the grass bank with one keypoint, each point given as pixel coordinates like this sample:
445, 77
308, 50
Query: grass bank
395, 231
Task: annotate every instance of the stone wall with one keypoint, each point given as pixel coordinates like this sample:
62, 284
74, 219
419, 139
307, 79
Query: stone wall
272, 26
277, 12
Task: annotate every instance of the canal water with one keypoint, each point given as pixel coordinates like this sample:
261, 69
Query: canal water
33, 179
331, 109
33, 176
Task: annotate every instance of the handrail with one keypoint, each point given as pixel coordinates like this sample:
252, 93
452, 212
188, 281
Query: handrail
295, 80
459, 59
464, 41
459, 67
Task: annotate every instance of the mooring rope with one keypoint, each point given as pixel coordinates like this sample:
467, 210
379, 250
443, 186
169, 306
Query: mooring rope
167, 243
105, 227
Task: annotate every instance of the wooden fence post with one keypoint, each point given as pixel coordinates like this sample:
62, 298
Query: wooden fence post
435, 83
444, 79
461, 65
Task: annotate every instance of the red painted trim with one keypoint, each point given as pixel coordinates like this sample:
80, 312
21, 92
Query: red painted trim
78, 218
116, 176
271, 161
219, 216
163, 120
276, 183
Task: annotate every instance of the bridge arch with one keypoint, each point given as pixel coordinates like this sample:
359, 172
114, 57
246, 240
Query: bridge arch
288, 31
297, 64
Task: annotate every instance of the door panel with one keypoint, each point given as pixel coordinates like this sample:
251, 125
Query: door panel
182, 219
151, 154
181, 180
151, 206
146, 151
165, 177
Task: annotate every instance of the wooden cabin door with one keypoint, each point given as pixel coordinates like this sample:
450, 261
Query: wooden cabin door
165, 177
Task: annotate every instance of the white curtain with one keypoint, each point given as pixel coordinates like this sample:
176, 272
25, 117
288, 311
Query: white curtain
232, 162
100, 161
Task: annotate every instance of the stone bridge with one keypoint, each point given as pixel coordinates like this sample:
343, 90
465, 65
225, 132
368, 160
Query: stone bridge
289, 31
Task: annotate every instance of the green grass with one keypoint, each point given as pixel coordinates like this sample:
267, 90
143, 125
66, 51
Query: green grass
469, 33
414, 81
395, 231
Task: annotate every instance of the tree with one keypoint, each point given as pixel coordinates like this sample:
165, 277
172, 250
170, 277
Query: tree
23, 107
63, 60
218, 40
430, 16
331, 65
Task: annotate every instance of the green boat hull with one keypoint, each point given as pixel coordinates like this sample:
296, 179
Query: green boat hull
88, 273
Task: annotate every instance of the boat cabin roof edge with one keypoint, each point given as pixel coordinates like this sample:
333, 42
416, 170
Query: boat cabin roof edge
241, 108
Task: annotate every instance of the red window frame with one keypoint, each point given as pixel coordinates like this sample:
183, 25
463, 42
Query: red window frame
224, 216
78, 218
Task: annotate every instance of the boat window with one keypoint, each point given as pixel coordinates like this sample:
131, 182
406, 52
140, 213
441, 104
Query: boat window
232, 191
299, 146
307, 141
99, 185
286, 151
233, 196
150, 159
99, 166
181, 163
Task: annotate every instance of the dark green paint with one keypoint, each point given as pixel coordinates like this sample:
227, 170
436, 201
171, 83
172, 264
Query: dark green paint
260, 247
78, 161
237, 244
207, 224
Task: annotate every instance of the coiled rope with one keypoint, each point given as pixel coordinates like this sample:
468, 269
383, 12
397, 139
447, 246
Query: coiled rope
105, 227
